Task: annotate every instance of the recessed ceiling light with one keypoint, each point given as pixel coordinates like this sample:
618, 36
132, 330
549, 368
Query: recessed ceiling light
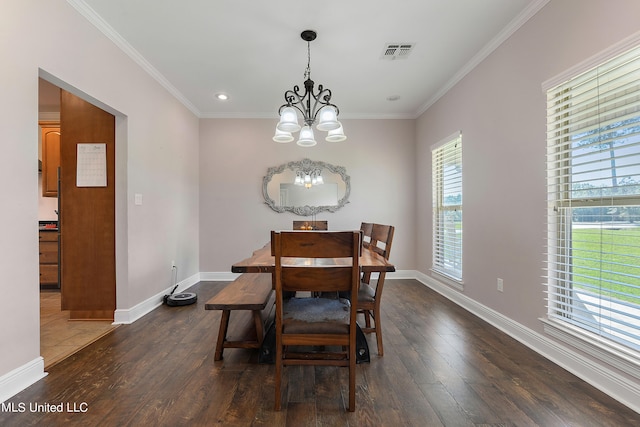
221, 96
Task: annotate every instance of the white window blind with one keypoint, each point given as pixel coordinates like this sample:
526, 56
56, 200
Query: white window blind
593, 173
447, 207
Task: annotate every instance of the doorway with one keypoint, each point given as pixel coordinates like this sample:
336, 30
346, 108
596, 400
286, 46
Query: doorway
64, 332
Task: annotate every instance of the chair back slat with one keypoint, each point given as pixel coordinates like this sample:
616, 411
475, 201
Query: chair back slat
381, 239
327, 279
367, 229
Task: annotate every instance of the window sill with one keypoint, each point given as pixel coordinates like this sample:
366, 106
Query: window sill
447, 279
622, 358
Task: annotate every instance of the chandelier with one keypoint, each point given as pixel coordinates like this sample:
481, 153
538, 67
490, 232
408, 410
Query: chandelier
313, 106
308, 178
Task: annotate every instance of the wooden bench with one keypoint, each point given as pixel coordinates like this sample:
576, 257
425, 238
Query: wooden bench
250, 291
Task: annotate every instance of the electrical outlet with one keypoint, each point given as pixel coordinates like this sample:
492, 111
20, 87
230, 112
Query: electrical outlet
500, 285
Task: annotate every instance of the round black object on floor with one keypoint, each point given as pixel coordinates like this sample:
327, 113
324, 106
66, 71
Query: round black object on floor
185, 298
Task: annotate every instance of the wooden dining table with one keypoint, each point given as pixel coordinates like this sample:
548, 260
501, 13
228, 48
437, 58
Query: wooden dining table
262, 261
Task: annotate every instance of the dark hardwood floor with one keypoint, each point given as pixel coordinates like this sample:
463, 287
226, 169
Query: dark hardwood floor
442, 366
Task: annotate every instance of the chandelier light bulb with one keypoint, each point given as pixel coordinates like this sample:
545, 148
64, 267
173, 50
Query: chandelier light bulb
306, 137
282, 136
328, 119
336, 135
288, 120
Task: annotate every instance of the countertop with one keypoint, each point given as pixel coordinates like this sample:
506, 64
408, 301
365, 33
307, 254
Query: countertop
48, 226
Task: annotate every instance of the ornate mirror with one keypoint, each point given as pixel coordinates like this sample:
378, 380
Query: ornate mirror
306, 187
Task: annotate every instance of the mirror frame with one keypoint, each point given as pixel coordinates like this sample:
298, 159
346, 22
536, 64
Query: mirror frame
306, 164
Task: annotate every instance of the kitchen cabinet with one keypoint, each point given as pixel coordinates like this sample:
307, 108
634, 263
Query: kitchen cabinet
50, 136
49, 258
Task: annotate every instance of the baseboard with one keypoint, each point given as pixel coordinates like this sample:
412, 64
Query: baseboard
598, 375
20, 378
218, 276
130, 315
401, 274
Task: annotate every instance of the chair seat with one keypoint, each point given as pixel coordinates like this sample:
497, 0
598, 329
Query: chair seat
316, 316
366, 293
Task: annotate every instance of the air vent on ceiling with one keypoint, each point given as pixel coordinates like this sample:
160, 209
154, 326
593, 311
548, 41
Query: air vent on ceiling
396, 51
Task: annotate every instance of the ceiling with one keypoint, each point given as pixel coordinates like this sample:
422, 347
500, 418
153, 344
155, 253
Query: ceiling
252, 50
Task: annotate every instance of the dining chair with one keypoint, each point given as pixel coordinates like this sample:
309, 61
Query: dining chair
370, 293
309, 330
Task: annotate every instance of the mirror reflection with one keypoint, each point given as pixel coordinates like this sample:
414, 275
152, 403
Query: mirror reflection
297, 195
306, 187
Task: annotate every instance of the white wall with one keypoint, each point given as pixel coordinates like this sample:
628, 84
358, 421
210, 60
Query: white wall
235, 155
156, 150
500, 109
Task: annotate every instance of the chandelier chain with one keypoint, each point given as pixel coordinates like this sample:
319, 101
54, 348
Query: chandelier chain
307, 72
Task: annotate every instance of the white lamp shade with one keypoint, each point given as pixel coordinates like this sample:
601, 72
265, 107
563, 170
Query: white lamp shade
282, 136
306, 137
288, 120
336, 135
328, 119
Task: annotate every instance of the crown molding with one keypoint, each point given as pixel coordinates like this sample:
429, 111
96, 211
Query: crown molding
507, 32
49, 116
88, 13
272, 116
609, 53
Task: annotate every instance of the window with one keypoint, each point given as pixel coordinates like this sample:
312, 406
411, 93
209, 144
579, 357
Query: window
593, 174
447, 207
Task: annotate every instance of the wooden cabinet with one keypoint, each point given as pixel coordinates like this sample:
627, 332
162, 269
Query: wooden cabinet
50, 134
49, 258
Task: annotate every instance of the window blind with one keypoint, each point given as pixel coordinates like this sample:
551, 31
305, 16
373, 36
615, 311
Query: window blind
593, 176
447, 207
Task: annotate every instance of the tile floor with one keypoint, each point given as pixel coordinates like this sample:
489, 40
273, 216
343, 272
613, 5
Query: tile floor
60, 337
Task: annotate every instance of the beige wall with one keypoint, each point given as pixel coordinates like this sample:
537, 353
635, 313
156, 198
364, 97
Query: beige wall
235, 154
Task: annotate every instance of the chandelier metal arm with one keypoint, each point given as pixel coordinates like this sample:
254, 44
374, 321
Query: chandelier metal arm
303, 102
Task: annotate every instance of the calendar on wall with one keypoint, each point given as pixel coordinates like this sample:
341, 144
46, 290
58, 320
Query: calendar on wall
92, 165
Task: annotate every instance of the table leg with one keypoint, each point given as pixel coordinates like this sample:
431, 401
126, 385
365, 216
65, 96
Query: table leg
222, 334
257, 320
